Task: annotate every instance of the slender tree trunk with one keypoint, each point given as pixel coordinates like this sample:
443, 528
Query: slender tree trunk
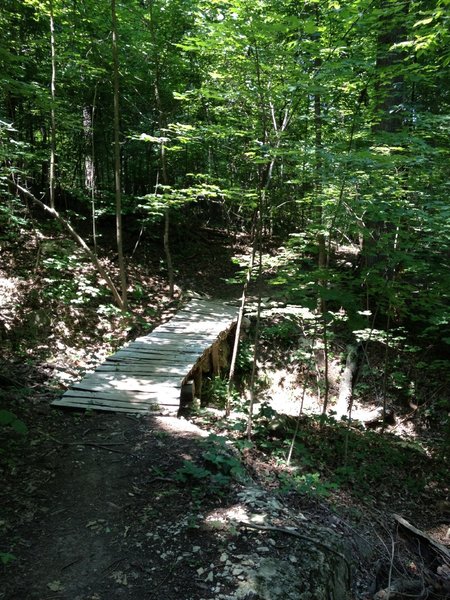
89, 161
168, 252
163, 158
234, 354
297, 426
390, 96
321, 241
93, 182
258, 320
52, 110
117, 182
170, 273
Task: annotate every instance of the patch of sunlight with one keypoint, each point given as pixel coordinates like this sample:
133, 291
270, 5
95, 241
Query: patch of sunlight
285, 394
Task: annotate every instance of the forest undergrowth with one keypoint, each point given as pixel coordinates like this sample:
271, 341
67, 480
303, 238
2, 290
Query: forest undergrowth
57, 323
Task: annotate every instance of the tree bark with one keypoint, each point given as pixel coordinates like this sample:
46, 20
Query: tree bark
346, 384
163, 158
52, 110
117, 166
239, 321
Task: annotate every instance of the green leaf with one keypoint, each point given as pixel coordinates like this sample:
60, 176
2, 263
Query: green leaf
55, 586
423, 22
7, 418
6, 557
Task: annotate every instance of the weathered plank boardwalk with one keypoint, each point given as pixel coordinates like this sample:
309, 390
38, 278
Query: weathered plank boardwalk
146, 376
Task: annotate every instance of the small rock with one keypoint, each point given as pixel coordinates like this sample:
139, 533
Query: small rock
200, 571
262, 549
223, 557
210, 577
258, 519
195, 548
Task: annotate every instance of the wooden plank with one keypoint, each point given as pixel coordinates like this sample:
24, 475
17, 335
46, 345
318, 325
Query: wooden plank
189, 324
99, 402
210, 310
172, 337
148, 363
155, 408
99, 384
169, 345
169, 353
119, 403
163, 338
125, 376
189, 329
126, 396
134, 358
133, 368
198, 319
129, 409
162, 357
131, 378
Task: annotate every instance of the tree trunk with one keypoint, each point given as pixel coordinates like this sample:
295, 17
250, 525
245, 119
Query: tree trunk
343, 405
163, 158
239, 321
117, 182
89, 161
52, 111
258, 243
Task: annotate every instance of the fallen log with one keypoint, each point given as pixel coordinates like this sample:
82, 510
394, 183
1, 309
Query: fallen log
432, 552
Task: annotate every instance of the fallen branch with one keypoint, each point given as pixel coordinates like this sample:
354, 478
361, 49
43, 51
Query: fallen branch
296, 534
403, 588
429, 549
165, 479
68, 227
105, 446
74, 562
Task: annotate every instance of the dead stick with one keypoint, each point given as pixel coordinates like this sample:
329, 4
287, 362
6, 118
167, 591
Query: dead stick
104, 448
167, 575
74, 562
166, 479
113, 565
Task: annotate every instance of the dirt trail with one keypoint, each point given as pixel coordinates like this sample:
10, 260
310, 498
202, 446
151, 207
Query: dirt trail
103, 519
89, 529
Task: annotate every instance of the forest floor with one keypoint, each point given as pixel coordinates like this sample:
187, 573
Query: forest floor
101, 506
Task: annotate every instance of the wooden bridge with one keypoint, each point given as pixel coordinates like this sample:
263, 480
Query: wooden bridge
147, 375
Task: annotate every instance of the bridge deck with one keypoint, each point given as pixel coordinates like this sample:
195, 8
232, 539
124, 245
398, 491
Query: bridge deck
146, 375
